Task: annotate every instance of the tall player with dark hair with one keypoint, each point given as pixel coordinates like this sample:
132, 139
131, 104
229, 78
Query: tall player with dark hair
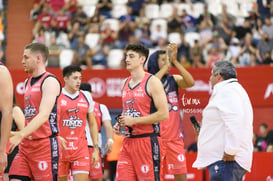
144, 106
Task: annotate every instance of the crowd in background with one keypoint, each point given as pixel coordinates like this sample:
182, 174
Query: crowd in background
205, 31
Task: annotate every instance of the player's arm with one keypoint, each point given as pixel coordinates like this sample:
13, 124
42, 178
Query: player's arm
185, 79
6, 90
108, 127
50, 91
18, 117
156, 91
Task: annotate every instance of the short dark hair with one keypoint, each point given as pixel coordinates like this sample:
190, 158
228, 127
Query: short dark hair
264, 125
38, 47
68, 70
86, 87
140, 49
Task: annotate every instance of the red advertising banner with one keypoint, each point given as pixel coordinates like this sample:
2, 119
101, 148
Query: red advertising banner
106, 85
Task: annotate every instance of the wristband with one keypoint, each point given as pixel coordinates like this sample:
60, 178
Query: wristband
110, 140
96, 146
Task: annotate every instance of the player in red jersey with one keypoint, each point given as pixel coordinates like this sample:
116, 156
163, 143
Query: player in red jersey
171, 130
144, 106
38, 157
102, 117
73, 107
6, 91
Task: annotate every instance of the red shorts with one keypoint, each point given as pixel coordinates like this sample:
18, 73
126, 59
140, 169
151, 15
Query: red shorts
76, 160
97, 170
37, 159
174, 157
140, 159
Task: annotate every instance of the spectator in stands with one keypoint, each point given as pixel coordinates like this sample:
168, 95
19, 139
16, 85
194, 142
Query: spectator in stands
157, 34
225, 14
137, 7
105, 7
44, 20
216, 41
205, 30
234, 50
61, 22
224, 29
260, 143
80, 17
127, 27
81, 53
73, 34
268, 27
248, 52
174, 22
71, 6
263, 47
196, 54
241, 30
213, 56
53, 59
96, 19
143, 34
206, 16
56, 5
269, 141
257, 31
108, 35
188, 22
184, 61
98, 55
184, 48
40, 37
264, 8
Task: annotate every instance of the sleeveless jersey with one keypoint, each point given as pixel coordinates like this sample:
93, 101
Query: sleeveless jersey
172, 128
72, 115
32, 100
137, 103
98, 115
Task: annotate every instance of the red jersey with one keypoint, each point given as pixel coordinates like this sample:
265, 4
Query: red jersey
98, 115
171, 129
72, 113
62, 21
45, 20
137, 103
32, 99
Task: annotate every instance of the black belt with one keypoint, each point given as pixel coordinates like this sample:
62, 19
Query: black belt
144, 135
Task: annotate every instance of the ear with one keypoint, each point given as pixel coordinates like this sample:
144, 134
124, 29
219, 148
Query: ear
39, 58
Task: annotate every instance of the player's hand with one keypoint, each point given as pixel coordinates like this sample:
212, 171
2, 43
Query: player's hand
95, 157
109, 145
228, 158
3, 160
127, 121
116, 129
173, 48
63, 142
15, 140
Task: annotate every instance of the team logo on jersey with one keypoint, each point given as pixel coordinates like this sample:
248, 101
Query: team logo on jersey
145, 168
73, 122
97, 166
29, 111
130, 110
181, 157
139, 92
42, 165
